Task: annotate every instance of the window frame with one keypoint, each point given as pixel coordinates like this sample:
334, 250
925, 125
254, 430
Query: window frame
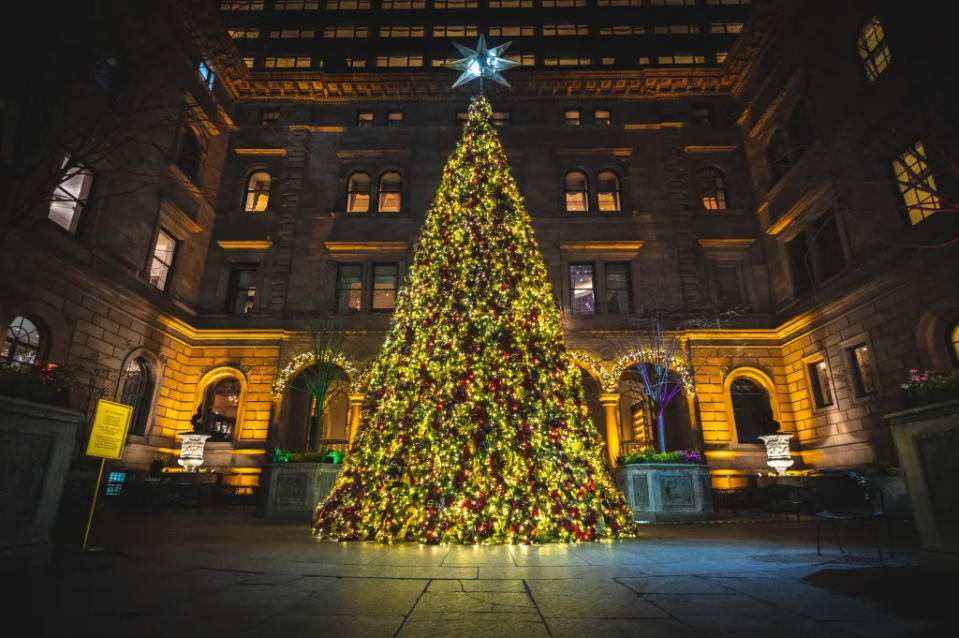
169, 266
628, 288
876, 59
350, 291
380, 192
584, 193
711, 185
248, 191
373, 286
815, 385
11, 344
188, 133
617, 193
572, 287
76, 203
350, 192
857, 378
233, 289
572, 121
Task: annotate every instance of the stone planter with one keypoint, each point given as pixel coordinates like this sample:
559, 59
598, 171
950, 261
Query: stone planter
292, 490
927, 440
666, 491
36, 442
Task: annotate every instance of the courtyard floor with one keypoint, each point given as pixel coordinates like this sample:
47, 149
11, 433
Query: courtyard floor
220, 572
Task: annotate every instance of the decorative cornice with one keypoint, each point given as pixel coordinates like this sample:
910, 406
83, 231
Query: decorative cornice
317, 129
625, 151
260, 245
726, 243
603, 246
232, 334
178, 222
653, 126
804, 203
697, 150
783, 99
366, 246
260, 151
371, 153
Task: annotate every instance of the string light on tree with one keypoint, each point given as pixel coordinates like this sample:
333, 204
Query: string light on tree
475, 428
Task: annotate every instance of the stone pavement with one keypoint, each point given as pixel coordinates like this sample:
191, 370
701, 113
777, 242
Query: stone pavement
223, 573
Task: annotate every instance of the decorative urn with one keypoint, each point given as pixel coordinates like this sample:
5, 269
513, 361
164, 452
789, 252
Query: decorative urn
777, 451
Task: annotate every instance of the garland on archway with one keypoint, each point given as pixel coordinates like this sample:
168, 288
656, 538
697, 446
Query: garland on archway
308, 358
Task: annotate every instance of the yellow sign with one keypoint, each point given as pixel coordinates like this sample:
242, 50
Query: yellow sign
109, 431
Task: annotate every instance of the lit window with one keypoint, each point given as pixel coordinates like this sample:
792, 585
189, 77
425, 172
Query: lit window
389, 195
864, 381
241, 289
346, 31
70, 195
549, 4
618, 288
269, 116
115, 481
582, 294
249, 61
602, 116
565, 29
917, 187
567, 60
455, 4
572, 117
358, 193
681, 59
619, 3
511, 31
873, 49
221, 403
675, 29
241, 5
607, 192
721, 56
206, 74
295, 5
399, 61
712, 189
356, 63
725, 27
403, 4
401, 32
526, 59
347, 5
289, 62
607, 61
510, 4
820, 384
622, 30
384, 287
577, 191
22, 343
164, 250
188, 157
349, 288
138, 385
244, 33
257, 192
394, 118
454, 31
672, 3
954, 338
364, 118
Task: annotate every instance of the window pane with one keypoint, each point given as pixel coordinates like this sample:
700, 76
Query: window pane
389, 196
242, 291
863, 376
618, 288
358, 193
582, 294
577, 193
70, 196
384, 286
257, 192
22, 344
819, 379
608, 193
349, 288
162, 261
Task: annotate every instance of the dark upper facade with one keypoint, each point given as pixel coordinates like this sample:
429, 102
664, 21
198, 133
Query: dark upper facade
400, 35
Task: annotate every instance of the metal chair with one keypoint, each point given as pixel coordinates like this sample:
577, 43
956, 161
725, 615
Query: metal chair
844, 496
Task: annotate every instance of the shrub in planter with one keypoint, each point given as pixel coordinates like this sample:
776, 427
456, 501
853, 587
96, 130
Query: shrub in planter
43, 382
650, 455
925, 387
323, 455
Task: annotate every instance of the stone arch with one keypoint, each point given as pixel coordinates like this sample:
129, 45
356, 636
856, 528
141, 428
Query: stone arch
593, 366
158, 367
932, 330
757, 376
680, 419
216, 375
307, 358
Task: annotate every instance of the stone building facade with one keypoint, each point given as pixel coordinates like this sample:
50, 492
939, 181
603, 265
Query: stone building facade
759, 195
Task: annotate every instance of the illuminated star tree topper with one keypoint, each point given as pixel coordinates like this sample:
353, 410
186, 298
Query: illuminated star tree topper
482, 62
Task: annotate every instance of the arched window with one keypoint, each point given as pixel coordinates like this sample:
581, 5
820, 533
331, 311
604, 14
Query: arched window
577, 191
188, 158
389, 196
607, 192
751, 409
257, 192
221, 402
23, 343
358, 193
712, 189
138, 386
954, 338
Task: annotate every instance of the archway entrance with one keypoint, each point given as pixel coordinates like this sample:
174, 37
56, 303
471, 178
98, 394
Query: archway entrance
639, 417
752, 411
305, 429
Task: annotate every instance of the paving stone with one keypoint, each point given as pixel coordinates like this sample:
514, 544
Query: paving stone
485, 625
361, 596
473, 601
674, 585
597, 598
619, 627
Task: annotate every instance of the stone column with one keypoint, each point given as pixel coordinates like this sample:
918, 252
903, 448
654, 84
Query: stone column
356, 404
610, 401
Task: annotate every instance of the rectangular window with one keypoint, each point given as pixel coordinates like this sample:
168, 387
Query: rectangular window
572, 117
241, 5
729, 284
455, 4
164, 250
355, 63
800, 266
364, 118
288, 62
824, 237
526, 59
385, 278
293, 34
454, 31
582, 292
346, 31
725, 27
569, 59
558, 4
917, 187
399, 61
510, 4
403, 4
241, 289
819, 381
676, 29
394, 118
701, 112
347, 5
269, 116
873, 49
602, 116
511, 31
70, 195
618, 288
860, 358
206, 74
295, 5
619, 3
349, 288
249, 61
565, 29
244, 33
402, 32
623, 30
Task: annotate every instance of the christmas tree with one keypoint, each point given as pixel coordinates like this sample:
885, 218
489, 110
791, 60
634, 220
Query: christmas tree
475, 429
